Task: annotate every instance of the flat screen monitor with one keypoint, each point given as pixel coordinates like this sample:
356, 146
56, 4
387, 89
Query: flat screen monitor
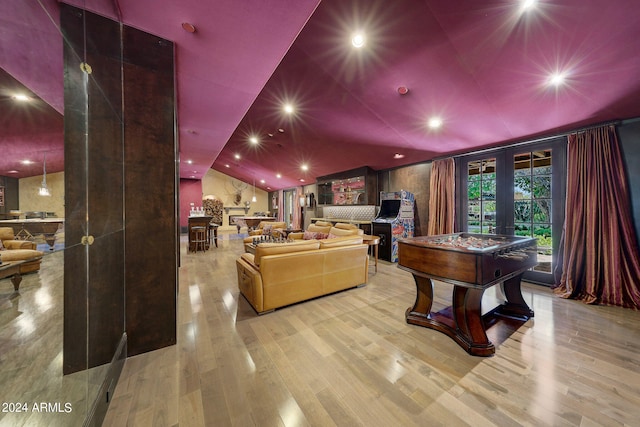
389, 209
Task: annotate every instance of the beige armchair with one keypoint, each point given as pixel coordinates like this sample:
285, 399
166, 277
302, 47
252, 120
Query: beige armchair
19, 250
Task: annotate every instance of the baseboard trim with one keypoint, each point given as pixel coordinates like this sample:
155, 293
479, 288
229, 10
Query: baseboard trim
98, 411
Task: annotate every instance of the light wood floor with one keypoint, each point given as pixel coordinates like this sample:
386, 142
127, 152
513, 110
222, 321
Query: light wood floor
350, 359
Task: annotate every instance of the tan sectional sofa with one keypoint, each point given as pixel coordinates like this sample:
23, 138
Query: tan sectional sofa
280, 274
19, 250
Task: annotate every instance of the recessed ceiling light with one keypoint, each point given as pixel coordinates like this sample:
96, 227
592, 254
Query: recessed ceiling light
278, 176
301, 179
21, 97
528, 4
288, 108
26, 162
304, 167
12, 171
557, 79
226, 165
281, 130
435, 122
358, 40
262, 181
253, 139
398, 156
237, 156
189, 162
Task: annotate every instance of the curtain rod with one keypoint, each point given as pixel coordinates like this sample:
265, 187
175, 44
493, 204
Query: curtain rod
541, 139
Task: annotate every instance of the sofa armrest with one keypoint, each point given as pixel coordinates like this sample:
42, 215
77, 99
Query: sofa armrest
19, 244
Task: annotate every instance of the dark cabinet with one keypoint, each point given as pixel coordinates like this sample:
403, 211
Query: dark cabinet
353, 187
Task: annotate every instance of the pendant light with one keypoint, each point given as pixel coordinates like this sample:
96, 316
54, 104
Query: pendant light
44, 190
253, 199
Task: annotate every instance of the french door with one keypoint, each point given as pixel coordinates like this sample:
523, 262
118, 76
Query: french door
519, 191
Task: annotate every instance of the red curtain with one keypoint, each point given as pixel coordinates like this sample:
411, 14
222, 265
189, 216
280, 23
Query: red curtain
442, 196
600, 257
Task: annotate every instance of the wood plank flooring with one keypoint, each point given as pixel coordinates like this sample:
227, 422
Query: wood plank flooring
350, 359
347, 359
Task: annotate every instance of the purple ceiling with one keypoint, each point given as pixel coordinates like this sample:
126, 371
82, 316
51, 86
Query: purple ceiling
482, 67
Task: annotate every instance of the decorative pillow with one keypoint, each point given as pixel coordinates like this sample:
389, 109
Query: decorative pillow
332, 236
1, 246
309, 235
321, 236
266, 230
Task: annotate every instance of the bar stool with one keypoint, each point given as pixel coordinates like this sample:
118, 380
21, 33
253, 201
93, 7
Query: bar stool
199, 238
213, 233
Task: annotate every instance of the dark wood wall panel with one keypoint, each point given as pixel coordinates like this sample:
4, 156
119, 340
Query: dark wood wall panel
150, 192
123, 179
415, 179
94, 310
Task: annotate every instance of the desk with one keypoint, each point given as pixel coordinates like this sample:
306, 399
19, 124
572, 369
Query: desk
12, 269
26, 229
472, 263
198, 221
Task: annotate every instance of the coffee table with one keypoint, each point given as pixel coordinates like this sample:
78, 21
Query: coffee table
12, 269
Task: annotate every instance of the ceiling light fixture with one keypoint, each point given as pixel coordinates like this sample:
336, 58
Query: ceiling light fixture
237, 156
403, 90
358, 40
44, 190
253, 140
304, 167
288, 108
398, 156
21, 97
278, 176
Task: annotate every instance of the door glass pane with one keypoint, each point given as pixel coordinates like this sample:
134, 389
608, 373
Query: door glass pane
532, 202
481, 196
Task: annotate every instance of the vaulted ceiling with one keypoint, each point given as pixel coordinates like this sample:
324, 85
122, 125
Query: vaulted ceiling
482, 68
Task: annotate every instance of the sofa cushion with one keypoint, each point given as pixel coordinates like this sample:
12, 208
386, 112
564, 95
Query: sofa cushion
346, 232
266, 230
265, 249
341, 241
319, 228
310, 235
323, 223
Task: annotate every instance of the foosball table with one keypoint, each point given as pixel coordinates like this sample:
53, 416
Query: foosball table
472, 263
